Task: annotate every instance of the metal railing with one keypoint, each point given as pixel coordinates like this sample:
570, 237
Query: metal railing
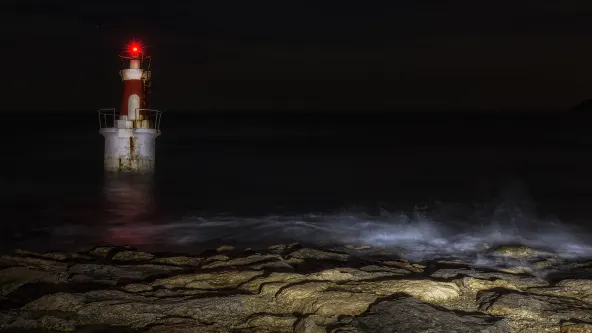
142, 118
107, 118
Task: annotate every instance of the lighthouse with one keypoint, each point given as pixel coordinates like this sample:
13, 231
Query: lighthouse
130, 132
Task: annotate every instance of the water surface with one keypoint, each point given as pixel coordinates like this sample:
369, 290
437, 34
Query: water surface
431, 185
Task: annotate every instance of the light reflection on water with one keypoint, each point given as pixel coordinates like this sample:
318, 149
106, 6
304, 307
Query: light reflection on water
443, 230
131, 215
129, 203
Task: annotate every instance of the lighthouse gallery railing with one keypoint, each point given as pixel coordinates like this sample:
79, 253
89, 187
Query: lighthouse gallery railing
144, 118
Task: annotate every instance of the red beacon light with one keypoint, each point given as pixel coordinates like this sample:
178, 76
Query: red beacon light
134, 49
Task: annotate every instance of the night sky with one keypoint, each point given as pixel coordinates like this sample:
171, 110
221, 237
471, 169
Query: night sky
209, 55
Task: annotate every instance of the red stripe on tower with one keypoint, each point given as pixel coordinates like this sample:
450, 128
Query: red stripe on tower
134, 96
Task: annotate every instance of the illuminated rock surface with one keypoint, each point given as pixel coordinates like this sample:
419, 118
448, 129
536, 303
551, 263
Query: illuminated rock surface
408, 315
287, 288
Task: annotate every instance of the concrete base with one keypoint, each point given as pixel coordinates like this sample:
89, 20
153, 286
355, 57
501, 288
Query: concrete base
129, 149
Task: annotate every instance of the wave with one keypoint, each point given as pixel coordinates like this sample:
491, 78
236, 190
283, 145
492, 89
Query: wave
439, 230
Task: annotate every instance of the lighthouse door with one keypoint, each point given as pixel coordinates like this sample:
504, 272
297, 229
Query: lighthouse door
133, 105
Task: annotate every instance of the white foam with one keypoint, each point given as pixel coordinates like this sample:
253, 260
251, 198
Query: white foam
451, 230
420, 236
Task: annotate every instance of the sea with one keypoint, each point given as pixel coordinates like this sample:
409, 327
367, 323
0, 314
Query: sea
428, 184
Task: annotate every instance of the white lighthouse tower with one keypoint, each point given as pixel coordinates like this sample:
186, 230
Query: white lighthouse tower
130, 135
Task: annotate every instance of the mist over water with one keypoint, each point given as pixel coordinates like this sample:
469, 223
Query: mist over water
420, 188
438, 230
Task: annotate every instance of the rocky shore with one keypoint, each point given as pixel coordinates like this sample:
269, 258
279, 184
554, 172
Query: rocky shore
288, 288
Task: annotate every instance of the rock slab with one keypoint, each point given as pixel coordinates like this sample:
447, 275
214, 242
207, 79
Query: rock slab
408, 315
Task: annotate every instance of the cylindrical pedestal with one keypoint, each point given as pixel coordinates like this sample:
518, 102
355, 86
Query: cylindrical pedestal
129, 149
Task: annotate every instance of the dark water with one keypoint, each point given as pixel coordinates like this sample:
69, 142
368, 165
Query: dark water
429, 183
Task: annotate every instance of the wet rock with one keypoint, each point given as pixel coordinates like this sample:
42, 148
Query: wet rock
407, 315
578, 289
369, 253
218, 257
545, 264
473, 285
454, 262
132, 256
426, 290
516, 270
308, 325
294, 262
479, 280
273, 282
583, 264
415, 268
243, 261
279, 265
272, 323
225, 248
350, 274
178, 261
15, 277
333, 275
571, 327
121, 289
51, 323
64, 302
270, 284
318, 255
183, 325
101, 252
122, 309
33, 262
283, 249
106, 252
521, 252
114, 274
18, 321
533, 313
380, 268
218, 280
136, 288
321, 298
161, 293
56, 256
